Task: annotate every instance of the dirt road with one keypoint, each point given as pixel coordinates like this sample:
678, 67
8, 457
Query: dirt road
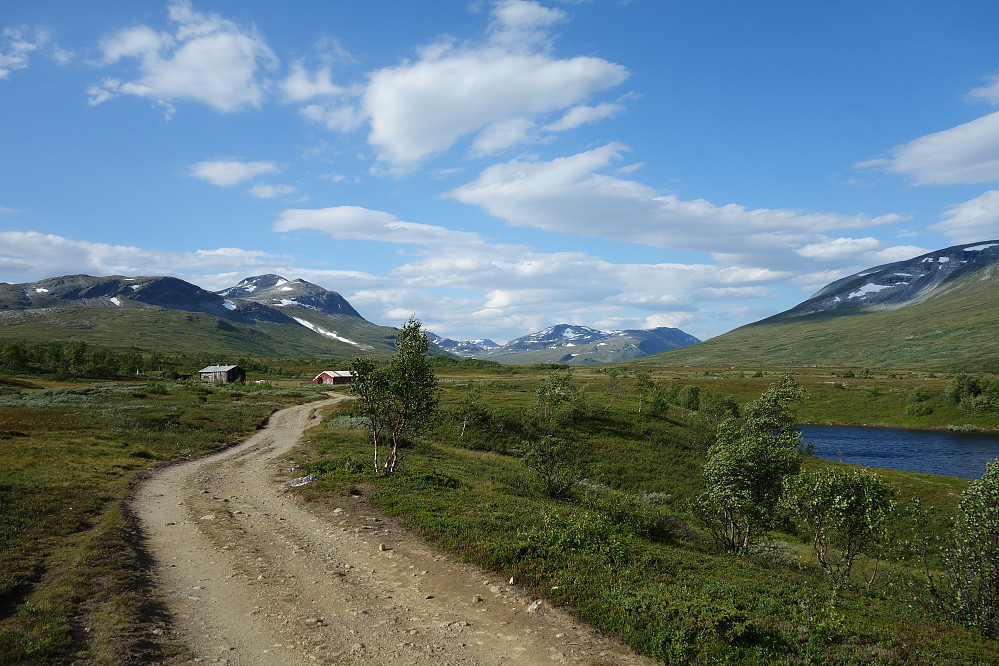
250, 575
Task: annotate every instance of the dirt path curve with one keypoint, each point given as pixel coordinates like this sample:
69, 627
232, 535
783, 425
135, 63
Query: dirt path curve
250, 575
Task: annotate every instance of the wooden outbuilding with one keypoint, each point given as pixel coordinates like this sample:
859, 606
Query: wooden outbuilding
225, 374
334, 377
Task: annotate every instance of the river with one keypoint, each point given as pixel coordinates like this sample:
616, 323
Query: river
960, 454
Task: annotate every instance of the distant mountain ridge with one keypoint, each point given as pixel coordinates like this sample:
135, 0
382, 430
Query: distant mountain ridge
898, 284
265, 315
937, 311
463, 348
573, 345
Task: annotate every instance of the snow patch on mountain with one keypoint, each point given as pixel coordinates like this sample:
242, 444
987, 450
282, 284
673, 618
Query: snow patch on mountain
329, 334
283, 302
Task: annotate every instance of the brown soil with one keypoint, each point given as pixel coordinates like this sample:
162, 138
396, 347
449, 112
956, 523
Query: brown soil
252, 575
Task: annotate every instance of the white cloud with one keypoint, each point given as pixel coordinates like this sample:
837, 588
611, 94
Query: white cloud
226, 173
968, 153
502, 135
423, 107
204, 58
16, 48
989, 92
35, 255
356, 223
836, 249
271, 191
108, 89
482, 88
567, 195
521, 24
582, 115
892, 254
965, 154
299, 85
972, 221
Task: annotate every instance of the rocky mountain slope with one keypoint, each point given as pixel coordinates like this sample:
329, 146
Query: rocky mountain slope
936, 311
899, 284
264, 316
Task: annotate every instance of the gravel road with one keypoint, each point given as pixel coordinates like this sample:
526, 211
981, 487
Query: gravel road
251, 575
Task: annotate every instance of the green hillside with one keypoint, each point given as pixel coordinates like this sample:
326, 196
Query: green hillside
958, 330
176, 331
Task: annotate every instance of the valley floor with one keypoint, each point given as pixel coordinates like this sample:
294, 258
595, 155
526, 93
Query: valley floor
250, 576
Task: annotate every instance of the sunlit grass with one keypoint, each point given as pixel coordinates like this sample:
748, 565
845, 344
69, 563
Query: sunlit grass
624, 552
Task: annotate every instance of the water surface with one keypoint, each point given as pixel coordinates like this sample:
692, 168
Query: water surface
960, 454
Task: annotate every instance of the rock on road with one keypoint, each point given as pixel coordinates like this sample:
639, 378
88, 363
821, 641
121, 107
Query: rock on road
251, 575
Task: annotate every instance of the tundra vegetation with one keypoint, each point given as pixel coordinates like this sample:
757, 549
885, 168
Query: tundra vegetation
72, 583
588, 488
681, 513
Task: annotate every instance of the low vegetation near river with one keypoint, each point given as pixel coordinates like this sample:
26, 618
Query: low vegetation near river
656, 521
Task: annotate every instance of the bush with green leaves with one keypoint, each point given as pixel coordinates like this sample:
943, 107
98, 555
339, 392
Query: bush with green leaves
974, 393
747, 467
399, 398
845, 513
558, 403
972, 560
555, 462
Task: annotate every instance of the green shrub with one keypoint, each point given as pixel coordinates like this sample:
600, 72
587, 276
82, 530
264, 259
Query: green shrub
430, 480
918, 409
972, 561
336, 467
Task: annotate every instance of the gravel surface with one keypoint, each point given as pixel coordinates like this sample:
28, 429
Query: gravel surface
252, 575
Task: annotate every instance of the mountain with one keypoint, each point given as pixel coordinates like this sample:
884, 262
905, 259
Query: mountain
277, 292
463, 348
325, 313
938, 311
581, 345
264, 316
898, 285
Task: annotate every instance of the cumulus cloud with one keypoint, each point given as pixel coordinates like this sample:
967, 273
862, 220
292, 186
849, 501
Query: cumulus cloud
37, 255
498, 88
971, 221
569, 195
226, 173
356, 223
523, 290
202, 57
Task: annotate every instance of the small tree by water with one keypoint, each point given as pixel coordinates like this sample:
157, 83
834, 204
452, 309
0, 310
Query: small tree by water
747, 467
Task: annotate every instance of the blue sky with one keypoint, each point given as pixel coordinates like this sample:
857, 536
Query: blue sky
498, 166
